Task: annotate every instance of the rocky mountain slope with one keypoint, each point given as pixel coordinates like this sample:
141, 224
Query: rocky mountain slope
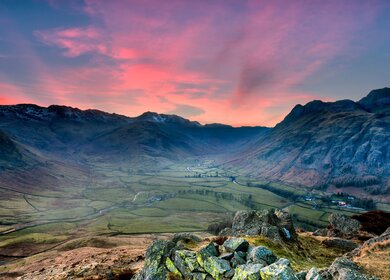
341, 144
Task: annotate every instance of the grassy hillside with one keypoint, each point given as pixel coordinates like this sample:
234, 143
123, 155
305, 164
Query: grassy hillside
182, 197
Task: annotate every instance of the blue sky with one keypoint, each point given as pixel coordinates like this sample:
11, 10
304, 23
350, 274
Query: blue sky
236, 62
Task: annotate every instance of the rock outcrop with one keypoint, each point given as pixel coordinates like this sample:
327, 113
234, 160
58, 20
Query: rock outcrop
346, 233
273, 224
156, 264
344, 269
235, 259
342, 226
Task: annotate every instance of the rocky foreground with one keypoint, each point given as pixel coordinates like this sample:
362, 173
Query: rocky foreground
257, 245
235, 259
238, 258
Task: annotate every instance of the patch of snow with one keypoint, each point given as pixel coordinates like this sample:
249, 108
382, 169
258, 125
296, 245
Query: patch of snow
159, 118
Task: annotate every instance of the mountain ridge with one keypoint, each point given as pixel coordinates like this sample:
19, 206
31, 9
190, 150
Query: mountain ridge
379, 98
342, 143
43, 113
95, 136
320, 144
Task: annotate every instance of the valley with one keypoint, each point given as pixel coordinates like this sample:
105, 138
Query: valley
71, 178
194, 140
186, 196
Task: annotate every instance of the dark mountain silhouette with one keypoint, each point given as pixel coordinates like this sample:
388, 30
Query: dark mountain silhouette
70, 134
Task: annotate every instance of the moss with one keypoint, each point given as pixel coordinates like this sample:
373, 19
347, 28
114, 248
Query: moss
173, 276
308, 253
189, 244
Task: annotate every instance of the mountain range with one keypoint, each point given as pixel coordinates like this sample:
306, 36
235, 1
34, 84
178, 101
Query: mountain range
320, 144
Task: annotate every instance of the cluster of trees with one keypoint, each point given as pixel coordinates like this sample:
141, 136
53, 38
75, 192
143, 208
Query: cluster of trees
200, 175
365, 203
357, 181
283, 193
378, 189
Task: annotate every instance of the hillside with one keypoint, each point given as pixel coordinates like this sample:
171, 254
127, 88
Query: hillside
70, 134
11, 154
327, 144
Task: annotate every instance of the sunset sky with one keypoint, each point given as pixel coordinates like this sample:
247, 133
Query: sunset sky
235, 62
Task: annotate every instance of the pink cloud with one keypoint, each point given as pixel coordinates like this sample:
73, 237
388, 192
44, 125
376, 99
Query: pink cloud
76, 41
241, 58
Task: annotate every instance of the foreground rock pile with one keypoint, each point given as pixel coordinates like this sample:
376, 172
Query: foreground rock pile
234, 259
274, 224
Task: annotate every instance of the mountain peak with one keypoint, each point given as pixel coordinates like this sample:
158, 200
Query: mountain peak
376, 100
318, 106
164, 118
151, 116
56, 112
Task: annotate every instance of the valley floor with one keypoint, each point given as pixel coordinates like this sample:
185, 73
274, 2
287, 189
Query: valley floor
185, 197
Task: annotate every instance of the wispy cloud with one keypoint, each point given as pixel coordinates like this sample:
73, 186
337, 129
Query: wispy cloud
201, 58
76, 41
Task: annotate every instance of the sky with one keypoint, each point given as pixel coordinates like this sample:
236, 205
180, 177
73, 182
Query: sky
236, 62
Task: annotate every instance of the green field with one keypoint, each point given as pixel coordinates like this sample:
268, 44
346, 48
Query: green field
181, 197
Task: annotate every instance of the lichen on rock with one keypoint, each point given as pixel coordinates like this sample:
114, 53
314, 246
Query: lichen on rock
156, 256
261, 254
278, 271
248, 272
234, 244
218, 268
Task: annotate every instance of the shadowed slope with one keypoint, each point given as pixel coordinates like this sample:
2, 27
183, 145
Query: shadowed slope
343, 143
